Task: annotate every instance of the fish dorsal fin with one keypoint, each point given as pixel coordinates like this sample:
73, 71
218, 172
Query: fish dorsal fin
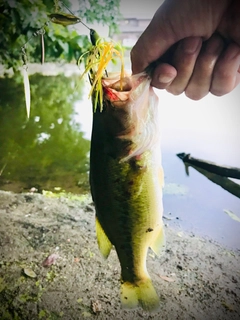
158, 242
104, 243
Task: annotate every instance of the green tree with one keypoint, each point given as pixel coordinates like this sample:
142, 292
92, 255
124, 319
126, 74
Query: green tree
20, 20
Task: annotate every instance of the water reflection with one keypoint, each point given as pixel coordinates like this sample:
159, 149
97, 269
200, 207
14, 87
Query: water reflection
48, 150
224, 182
200, 204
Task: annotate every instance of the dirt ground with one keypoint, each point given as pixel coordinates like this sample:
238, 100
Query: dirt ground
195, 278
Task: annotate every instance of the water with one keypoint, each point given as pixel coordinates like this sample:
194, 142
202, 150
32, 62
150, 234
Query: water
208, 129
52, 149
48, 150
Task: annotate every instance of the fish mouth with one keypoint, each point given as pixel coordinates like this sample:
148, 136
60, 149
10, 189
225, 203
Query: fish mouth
118, 91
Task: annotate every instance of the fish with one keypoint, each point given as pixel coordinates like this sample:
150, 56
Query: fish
126, 181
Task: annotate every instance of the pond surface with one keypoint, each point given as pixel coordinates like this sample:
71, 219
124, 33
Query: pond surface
208, 129
51, 149
48, 150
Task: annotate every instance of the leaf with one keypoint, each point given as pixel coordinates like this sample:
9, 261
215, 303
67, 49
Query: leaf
96, 306
29, 272
41, 314
228, 306
167, 278
86, 314
2, 284
168, 218
50, 260
12, 4
232, 215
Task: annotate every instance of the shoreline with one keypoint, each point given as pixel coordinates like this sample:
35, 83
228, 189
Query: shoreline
195, 278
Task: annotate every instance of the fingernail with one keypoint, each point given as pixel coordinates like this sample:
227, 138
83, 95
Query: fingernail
190, 45
165, 78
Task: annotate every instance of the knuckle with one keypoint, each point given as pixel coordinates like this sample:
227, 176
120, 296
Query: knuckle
223, 73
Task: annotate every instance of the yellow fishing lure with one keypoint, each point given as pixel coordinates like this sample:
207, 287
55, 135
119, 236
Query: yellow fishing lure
98, 58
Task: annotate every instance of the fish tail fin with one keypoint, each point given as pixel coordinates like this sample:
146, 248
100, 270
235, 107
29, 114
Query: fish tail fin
142, 293
104, 243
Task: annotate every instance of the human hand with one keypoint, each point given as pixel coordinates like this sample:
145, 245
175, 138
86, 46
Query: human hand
199, 60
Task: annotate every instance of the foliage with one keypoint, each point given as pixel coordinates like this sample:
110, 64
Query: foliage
19, 20
106, 11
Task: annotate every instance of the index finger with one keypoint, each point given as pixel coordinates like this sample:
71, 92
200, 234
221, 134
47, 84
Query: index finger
151, 45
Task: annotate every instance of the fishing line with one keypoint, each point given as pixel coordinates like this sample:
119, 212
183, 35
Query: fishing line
74, 15
39, 31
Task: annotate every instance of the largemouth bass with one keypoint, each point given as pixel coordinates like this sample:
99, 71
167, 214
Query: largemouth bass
126, 180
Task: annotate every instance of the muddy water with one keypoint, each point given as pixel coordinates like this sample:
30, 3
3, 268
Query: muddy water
50, 150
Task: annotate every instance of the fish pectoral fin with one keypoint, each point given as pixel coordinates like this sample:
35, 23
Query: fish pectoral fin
104, 243
158, 242
142, 294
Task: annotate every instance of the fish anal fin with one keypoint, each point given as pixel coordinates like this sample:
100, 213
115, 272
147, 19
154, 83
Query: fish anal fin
158, 242
142, 294
104, 243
